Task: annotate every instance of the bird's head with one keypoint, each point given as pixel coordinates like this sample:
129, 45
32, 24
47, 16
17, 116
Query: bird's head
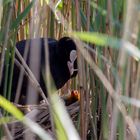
67, 48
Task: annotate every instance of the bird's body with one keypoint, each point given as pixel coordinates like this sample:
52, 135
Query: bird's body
59, 56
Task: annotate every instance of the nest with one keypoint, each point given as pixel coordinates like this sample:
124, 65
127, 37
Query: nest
39, 114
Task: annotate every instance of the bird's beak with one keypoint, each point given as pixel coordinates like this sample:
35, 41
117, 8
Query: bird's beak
70, 64
71, 68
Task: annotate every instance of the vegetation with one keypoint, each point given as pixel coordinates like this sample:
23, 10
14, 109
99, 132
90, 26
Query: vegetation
106, 33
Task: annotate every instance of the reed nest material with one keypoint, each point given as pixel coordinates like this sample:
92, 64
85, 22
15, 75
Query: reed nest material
39, 114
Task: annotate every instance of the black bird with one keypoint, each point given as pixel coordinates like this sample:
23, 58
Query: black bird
62, 60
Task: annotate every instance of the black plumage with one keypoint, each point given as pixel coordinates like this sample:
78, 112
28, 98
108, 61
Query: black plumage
59, 56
